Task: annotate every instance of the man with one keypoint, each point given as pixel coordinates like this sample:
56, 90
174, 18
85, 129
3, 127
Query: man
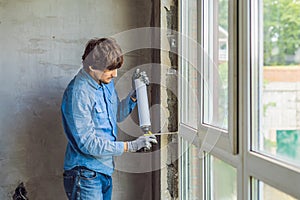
90, 111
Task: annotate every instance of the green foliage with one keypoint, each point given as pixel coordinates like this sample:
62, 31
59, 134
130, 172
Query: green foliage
223, 92
266, 106
268, 144
224, 180
223, 14
281, 31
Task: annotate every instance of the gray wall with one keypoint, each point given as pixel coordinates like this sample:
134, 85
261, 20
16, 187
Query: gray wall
41, 46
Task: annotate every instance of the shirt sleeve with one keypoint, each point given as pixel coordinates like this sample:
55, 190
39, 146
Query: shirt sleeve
125, 107
78, 118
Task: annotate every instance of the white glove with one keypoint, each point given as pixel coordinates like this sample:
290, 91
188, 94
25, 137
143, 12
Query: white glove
142, 142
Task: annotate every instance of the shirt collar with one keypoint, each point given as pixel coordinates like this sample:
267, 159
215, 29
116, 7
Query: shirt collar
89, 79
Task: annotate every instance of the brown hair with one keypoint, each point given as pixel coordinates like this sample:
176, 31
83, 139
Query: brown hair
102, 53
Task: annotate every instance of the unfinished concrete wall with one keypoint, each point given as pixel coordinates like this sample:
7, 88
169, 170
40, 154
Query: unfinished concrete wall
41, 46
169, 101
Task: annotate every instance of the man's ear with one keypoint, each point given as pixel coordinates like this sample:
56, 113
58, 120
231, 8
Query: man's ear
91, 68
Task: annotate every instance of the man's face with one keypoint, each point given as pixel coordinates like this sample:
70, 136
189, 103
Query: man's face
107, 75
104, 76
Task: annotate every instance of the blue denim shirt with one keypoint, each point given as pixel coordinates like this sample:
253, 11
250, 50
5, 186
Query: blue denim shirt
90, 112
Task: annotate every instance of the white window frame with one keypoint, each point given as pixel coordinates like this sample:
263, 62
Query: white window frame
210, 136
277, 174
234, 150
226, 146
187, 135
185, 130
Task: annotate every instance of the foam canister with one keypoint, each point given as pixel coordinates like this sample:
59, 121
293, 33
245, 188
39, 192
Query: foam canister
143, 105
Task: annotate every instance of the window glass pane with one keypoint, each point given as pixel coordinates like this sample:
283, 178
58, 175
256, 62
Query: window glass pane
216, 68
223, 180
262, 191
194, 173
189, 66
279, 81
184, 173
190, 171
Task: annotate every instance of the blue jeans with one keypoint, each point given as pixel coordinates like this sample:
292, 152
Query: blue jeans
83, 184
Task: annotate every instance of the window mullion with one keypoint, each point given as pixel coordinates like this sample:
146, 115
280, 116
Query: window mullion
275, 173
243, 87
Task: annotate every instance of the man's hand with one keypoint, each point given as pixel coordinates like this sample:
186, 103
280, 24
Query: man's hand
142, 142
139, 75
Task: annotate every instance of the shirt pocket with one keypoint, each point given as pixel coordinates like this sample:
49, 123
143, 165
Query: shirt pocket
113, 103
100, 117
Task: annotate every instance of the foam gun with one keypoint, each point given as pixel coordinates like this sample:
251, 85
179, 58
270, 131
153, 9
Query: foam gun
142, 102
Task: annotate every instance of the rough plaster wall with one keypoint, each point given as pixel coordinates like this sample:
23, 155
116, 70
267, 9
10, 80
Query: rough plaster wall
169, 174
41, 46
